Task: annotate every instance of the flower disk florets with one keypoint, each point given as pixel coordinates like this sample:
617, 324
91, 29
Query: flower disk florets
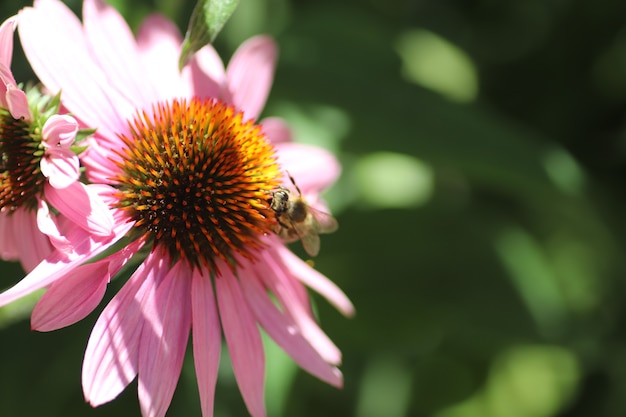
196, 179
20, 177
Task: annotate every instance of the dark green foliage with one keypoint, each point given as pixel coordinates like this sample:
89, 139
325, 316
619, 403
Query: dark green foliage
500, 290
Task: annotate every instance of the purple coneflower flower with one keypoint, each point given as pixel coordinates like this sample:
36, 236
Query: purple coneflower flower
188, 175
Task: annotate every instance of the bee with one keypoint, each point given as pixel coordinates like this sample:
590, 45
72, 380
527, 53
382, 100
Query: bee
297, 220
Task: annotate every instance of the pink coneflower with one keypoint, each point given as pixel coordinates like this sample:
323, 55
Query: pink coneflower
38, 168
189, 175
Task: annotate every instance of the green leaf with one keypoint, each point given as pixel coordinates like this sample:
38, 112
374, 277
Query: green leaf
83, 134
207, 19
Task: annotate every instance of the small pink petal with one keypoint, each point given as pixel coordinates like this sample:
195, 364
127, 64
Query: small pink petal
287, 335
207, 339
82, 206
11, 97
112, 355
164, 340
250, 73
60, 166
17, 103
316, 281
6, 41
276, 130
59, 130
72, 298
48, 225
313, 168
243, 341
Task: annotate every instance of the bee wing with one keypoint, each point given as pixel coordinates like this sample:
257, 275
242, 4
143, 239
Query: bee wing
311, 243
323, 222
288, 235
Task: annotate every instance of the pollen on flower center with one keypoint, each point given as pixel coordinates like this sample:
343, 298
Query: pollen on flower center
21, 180
196, 179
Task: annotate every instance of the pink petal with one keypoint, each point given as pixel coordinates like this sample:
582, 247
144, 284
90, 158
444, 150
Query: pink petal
55, 266
276, 130
81, 206
164, 340
62, 60
285, 287
6, 41
79, 292
59, 130
8, 249
313, 168
206, 73
286, 334
158, 42
60, 166
48, 225
72, 298
243, 341
250, 74
31, 245
17, 103
112, 355
316, 281
207, 339
99, 160
113, 46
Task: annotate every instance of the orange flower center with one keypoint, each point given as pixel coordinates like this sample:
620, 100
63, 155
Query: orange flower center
196, 180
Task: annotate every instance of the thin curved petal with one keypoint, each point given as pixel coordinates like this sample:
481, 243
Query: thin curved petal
286, 334
207, 339
285, 287
48, 225
112, 355
6, 41
115, 49
82, 206
63, 61
243, 341
250, 73
276, 130
316, 281
164, 340
313, 168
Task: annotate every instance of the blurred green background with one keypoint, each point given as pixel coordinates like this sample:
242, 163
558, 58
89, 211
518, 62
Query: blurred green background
481, 208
